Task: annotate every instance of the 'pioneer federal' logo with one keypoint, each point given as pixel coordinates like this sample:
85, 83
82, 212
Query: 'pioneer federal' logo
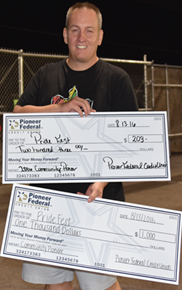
31, 198
24, 124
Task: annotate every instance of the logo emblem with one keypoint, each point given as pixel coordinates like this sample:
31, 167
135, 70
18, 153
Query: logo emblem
13, 124
21, 196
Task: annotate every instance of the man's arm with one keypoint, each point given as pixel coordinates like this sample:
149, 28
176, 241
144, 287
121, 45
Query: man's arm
74, 105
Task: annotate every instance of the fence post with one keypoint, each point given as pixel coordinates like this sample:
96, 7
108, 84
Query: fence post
168, 108
20, 72
152, 84
145, 81
167, 96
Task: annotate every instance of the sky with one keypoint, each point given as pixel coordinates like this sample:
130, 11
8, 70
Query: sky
132, 28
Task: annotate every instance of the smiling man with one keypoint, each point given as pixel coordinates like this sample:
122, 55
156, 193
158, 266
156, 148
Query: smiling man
83, 34
82, 83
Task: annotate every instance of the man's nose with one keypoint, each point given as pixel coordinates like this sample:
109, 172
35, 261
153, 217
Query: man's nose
81, 36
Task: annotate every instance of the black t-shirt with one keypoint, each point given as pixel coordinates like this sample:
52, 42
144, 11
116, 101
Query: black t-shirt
107, 88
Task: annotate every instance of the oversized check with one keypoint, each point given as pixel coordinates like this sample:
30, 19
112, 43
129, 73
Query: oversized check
104, 236
45, 148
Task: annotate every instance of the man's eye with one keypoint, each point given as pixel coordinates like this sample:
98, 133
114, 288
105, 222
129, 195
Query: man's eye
89, 32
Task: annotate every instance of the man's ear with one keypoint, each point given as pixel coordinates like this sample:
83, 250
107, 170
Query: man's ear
65, 35
101, 35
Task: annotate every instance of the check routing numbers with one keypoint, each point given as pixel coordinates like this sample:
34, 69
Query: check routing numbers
101, 146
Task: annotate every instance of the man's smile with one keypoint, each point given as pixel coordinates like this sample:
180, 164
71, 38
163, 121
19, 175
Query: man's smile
81, 46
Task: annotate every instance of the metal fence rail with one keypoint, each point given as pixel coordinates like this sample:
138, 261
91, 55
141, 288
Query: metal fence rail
165, 84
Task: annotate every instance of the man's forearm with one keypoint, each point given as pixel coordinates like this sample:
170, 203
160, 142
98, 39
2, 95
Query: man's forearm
35, 109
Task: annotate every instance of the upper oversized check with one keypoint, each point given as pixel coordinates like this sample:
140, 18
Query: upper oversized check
44, 148
104, 236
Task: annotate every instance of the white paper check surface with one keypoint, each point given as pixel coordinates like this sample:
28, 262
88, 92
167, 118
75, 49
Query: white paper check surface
44, 148
105, 236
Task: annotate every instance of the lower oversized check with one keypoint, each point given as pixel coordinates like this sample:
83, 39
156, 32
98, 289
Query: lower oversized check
103, 236
45, 148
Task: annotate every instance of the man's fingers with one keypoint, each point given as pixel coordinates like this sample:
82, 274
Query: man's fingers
78, 105
80, 193
81, 104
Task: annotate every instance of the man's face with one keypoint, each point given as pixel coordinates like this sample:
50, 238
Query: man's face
83, 37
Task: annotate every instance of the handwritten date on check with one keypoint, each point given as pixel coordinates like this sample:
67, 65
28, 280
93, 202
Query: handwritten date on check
101, 147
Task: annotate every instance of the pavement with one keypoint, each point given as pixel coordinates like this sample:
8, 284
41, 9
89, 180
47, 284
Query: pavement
164, 194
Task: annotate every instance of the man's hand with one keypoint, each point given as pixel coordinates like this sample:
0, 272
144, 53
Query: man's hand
76, 105
95, 190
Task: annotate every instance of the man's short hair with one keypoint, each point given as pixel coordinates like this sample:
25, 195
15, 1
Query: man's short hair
86, 5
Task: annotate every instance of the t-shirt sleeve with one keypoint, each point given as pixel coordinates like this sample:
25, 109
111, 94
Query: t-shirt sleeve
124, 98
31, 93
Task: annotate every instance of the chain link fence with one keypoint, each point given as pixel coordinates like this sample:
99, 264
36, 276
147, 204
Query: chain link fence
8, 81
8, 89
164, 92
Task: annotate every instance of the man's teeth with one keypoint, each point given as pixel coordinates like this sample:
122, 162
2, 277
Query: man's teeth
81, 46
